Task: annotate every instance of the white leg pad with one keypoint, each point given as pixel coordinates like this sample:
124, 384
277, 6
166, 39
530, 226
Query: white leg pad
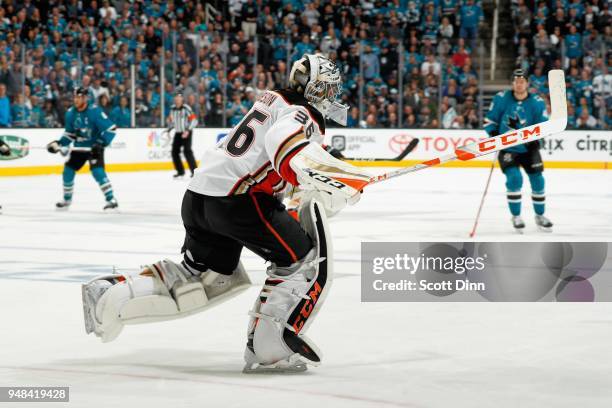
163, 291
289, 301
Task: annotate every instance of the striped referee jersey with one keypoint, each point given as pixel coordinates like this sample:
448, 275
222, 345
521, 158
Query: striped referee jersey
183, 118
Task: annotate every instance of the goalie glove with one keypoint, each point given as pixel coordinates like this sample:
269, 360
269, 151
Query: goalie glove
55, 147
332, 182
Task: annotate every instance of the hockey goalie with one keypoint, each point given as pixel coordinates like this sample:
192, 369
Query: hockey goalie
234, 201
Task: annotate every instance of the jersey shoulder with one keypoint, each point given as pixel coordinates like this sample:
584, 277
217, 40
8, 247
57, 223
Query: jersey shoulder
70, 112
97, 112
537, 99
292, 97
500, 96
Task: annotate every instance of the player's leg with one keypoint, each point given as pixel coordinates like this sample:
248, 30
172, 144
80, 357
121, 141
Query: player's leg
534, 167
297, 284
176, 154
164, 290
298, 278
96, 165
260, 222
75, 161
210, 273
188, 152
514, 183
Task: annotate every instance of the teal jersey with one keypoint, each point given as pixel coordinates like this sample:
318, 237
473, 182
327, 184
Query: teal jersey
506, 113
87, 128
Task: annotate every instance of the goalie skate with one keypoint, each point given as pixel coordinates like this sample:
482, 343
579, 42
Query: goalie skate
292, 364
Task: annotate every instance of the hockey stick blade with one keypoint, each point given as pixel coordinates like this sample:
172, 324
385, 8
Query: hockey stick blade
407, 150
411, 146
556, 124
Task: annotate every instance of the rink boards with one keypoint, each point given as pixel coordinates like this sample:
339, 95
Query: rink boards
149, 149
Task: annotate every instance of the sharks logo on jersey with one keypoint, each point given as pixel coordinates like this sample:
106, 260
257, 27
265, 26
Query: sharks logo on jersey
82, 128
507, 113
516, 119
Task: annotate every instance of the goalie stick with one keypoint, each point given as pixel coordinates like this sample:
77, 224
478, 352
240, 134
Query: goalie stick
409, 148
556, 124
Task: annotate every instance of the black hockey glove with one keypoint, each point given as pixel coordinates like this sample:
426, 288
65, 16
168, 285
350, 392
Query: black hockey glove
54, 147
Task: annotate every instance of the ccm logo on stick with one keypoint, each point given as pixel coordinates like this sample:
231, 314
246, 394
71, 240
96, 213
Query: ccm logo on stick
507, 140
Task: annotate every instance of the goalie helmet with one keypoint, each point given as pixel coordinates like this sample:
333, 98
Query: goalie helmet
318, 79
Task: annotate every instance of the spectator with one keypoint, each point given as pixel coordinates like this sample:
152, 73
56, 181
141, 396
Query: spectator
471, 16
5, 108
51, 117
573, 43
214, 117
249, 16
37, 115
121, 115
430, 66
104, 103
446, 28
20, 112
448, 114
371, 64
586, 120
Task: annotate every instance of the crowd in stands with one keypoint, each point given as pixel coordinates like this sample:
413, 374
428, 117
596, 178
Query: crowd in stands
575, 35
223, 60
417, 56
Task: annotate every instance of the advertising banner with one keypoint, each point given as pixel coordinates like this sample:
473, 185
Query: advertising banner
150, 149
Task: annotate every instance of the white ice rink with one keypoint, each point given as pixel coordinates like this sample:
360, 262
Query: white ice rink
375, 354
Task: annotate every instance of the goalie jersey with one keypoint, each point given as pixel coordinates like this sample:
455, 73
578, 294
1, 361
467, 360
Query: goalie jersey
255, 155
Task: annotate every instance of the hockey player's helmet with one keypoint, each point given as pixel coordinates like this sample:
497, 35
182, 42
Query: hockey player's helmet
318, 79
80, 90
518, 73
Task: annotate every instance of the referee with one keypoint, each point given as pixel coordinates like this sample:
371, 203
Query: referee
183, 120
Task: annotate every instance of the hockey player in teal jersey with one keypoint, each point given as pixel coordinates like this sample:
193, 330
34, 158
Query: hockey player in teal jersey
515, 109
89, 131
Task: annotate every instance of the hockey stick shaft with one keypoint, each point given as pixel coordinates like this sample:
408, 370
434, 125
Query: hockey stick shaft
484, 194
409, 148
556, 124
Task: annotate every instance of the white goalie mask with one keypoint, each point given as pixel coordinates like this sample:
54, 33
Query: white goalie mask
319, 79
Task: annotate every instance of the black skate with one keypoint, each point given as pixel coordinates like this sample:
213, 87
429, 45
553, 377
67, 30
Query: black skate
518, 224
111, 205
543, 223
63, 205
178, 176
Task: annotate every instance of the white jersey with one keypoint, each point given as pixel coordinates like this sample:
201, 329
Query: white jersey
255, 155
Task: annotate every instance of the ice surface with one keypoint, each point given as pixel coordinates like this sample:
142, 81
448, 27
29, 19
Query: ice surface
375, 355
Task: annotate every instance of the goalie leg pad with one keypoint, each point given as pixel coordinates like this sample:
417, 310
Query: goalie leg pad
162, 291
288, 303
